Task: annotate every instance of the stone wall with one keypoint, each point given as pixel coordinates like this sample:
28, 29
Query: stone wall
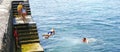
1, 1
6, 36
7, 41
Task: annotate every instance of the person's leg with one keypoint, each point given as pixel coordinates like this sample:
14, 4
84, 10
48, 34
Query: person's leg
46, 36
19, 13
17, 43
23, 15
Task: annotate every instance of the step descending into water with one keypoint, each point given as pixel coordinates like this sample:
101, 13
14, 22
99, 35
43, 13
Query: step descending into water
27, 32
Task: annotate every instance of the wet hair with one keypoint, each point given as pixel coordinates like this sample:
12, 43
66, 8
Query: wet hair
84, 38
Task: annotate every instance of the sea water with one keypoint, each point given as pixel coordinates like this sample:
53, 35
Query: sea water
97, 20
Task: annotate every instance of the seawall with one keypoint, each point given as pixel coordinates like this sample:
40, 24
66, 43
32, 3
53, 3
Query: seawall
6, 38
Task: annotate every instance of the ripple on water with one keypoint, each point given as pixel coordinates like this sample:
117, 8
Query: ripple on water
114, 18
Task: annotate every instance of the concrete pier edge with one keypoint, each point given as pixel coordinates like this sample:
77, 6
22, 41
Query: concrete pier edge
6, 37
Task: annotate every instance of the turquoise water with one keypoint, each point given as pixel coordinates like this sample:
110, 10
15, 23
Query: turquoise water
97, 20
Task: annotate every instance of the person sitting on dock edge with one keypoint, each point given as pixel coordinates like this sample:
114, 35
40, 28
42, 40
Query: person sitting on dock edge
19, 9
24, 13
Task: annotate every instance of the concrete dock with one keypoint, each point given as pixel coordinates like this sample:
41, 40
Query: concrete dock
7, 40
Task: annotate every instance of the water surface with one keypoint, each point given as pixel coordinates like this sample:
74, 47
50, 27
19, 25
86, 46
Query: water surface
97, 20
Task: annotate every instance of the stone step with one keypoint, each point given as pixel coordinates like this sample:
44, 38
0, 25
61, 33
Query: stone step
26, 31
30, 41
25, 24
29, 37
22, 35
15, 11
23, 2
27, 34
28, 13
32, 47
19, 1
15, 6
28, 28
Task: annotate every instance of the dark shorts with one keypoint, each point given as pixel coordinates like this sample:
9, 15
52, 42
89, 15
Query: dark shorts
50, 32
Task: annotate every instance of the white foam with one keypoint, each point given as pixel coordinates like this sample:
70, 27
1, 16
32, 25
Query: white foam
91, 40
75, 41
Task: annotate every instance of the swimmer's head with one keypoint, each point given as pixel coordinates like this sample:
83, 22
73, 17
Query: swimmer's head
84, 40
52, 29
